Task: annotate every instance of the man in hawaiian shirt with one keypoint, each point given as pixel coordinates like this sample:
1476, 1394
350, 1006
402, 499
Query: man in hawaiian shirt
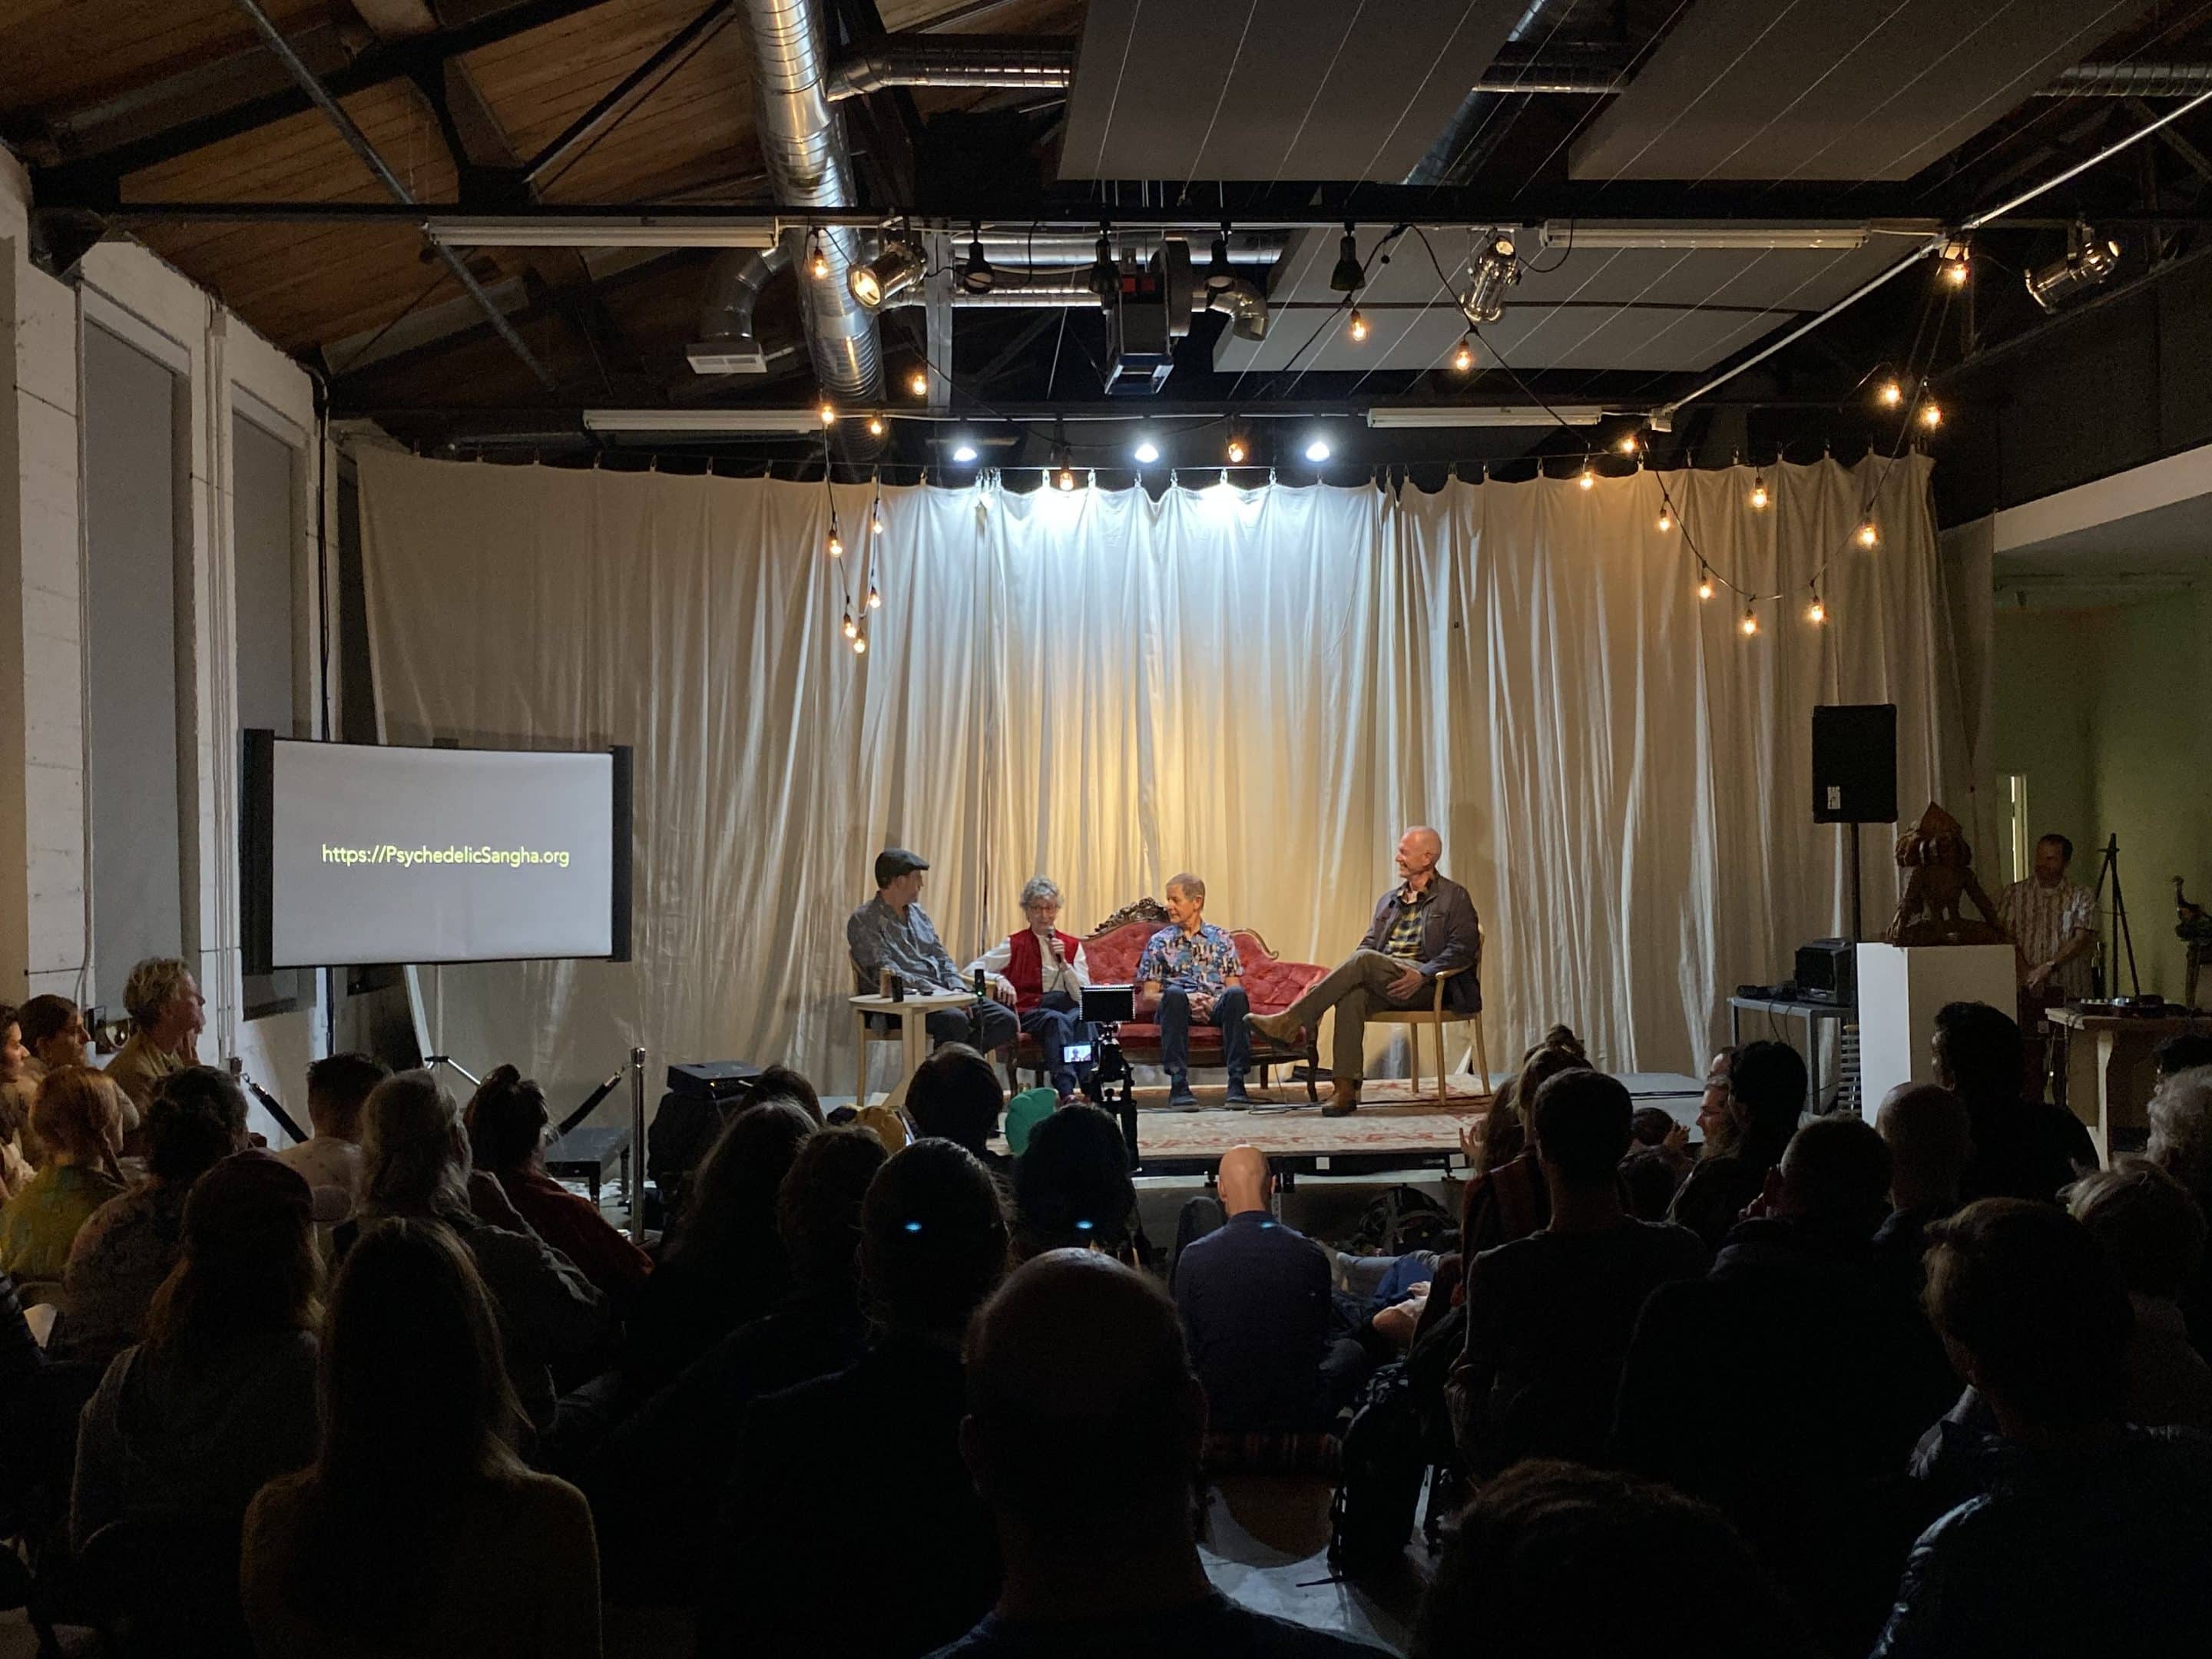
1193, 968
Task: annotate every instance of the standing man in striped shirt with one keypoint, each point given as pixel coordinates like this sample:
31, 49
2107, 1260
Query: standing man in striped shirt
2052, 923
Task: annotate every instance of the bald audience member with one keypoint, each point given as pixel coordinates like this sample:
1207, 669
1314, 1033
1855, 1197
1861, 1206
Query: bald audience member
1083, 1429
1255, 1297
1924, 1126
1423, 927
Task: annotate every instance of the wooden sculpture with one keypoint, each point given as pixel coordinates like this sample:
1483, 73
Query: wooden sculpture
1941, 874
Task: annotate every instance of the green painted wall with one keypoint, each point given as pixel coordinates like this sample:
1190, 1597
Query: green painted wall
2108, 713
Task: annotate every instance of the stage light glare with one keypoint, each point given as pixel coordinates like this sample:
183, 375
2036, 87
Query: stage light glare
964, 452
1146, 451
875, 599
1750, 622
1704, 586
918, 383
889, 274
1463, 354
1759, 492
1356, 328
1589, 479
1891, 395
1317, 450
1931, 415
1816, 612
1869, 535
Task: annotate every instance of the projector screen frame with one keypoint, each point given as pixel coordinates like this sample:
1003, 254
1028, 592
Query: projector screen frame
257, 839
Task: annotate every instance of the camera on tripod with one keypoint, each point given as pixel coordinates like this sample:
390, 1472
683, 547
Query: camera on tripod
1112, 1085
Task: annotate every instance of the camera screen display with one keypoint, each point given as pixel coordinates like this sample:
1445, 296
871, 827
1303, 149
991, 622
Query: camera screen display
1077, 1053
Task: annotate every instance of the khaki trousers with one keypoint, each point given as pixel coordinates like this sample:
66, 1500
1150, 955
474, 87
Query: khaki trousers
1354, 988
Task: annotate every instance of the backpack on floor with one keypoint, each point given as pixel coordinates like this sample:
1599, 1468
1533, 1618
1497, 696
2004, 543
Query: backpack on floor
1378, 1487
1398, 1221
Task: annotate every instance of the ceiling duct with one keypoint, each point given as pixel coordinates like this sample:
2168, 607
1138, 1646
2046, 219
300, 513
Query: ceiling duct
984, 61
804, 151
726, 344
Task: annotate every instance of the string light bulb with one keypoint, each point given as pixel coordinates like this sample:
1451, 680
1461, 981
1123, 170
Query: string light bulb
1750, 622
1816, 613
1954, 269
1869, 535
875, 426
1627, 446
852, 627
861, 646
1462, 358
876, 518
1931, 414
1356, 328
1237, 450
875, 599
827, 412
1588, 479
817, 262
918, 383
1759, 492
1890, 395
836, 544
1705, 583
1665, 519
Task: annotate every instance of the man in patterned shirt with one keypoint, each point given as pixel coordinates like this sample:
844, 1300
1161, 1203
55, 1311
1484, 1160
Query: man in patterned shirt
2052, 924
1193, 968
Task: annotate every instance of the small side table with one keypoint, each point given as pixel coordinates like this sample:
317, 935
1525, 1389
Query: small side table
1814, 1014
913, 1018
2110, 1070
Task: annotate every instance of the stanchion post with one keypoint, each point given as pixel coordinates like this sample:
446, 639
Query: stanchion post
637, 1145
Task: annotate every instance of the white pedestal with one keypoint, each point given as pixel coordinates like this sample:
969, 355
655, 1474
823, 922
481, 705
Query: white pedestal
1901, 988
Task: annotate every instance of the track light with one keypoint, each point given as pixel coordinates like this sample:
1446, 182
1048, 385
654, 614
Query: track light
1347, 277
817, 262
889, 274
1317, 450
1750, 622
976, 275
1239, 449
1890, 394
1463, 354
1356, 328
2089, 259
1146, 451
1219, 276
1869, 535
1104, 279
1498, 269
964, 452
1589, 479
1931, 414
1758, 491
918, 383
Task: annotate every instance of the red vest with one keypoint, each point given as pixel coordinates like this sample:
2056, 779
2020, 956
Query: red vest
1025, 969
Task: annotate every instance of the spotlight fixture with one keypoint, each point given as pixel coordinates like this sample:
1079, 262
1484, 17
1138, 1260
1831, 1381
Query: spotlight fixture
875, 599
1931, 414
1758, 491
852, 627
889, 274
1463, 354
1347, 277
964, 452
1750, 622
1497, 270
1356, 328
1219, 276
1589, 479
1869, 535
1317, 450
1705, 583
1665, 519
1239, 449
1816, 612
1954, 269
1890, 394
1105, 278
875, 426
1146, 451
827, 412
817, 262
2089, 259
918, 383
976, 275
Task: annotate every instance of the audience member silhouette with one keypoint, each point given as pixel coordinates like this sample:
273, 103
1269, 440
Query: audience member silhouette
77, 1118
1072, 1187
1511, 1199
1255, 1300
1549, 1317
1552, 1560
418, 1530
955, 1095
2154, 1231
723, 1264
196, 1118
220, 1395
506, 1121
1765, 1096
2183, 1052
2094, 1537
877, 1442
339, 1087
1789, 1385
655, 1485
1925, 1127
782, 1083
415, 1156
1084, 1430
2022, 1148
2181, 1145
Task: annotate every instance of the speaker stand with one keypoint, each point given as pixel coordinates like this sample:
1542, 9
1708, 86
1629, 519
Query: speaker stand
1858, 934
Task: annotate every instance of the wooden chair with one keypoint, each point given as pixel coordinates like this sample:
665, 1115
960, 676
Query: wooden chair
1435, 1017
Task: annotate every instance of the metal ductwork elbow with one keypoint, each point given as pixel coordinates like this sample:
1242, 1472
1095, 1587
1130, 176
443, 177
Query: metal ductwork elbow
955, 60
1246, 306
725, 343
804, 151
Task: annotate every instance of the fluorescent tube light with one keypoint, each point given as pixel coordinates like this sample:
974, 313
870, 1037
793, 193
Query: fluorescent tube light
1444, 415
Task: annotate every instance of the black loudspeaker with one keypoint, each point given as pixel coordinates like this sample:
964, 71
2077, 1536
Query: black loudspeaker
1855, 764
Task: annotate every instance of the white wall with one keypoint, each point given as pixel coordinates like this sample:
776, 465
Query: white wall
45, 941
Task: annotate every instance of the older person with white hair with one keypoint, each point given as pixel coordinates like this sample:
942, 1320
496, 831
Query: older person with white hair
168, 1014
1039, 972
2181, 1145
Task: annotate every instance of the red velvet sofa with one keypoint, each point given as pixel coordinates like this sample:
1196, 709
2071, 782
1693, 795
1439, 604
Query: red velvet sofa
1271, 985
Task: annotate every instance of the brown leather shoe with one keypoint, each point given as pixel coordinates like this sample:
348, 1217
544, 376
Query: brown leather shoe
1276, 1027
1343, 1100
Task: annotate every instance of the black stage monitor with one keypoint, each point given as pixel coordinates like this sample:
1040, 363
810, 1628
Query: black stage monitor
1855, 764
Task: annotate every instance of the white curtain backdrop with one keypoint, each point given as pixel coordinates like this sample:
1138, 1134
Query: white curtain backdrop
1259, 686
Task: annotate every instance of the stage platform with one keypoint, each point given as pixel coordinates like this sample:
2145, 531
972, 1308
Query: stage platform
1390, 1132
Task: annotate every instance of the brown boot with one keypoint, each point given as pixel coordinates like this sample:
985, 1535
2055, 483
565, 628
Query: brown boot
1276, 1027
1343, 1100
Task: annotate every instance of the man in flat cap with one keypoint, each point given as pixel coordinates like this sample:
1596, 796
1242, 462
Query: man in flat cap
892, 931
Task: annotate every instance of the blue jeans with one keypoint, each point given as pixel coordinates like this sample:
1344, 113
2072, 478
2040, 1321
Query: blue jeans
1229, 1011
1055, 1022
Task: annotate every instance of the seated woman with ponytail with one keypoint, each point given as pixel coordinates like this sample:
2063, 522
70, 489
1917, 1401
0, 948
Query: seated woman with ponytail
507, 1119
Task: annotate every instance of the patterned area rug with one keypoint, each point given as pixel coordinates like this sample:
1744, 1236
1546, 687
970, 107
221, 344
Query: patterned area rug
1387, 1121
